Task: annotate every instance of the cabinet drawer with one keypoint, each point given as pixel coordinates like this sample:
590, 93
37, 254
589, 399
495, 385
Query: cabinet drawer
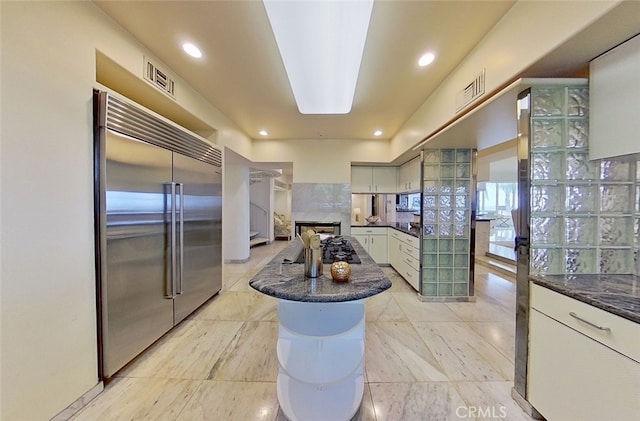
410, 240
573, 377
622, 334
406, 238
408, 273
369, 231
411, 261
410, 250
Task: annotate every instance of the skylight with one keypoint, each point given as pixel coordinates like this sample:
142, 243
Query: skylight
321, 44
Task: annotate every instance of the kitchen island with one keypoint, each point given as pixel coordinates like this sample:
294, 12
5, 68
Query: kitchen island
321, 334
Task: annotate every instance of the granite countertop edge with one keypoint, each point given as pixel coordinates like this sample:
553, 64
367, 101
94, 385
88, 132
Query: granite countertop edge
616, 294
306, 298
287, 281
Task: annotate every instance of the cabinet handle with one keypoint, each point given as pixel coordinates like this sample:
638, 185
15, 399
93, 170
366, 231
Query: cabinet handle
575, 316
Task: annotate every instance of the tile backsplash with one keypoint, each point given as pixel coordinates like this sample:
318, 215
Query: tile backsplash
323, 202
585, 215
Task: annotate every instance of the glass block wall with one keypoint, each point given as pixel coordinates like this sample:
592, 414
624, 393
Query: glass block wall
584, 214
447, 199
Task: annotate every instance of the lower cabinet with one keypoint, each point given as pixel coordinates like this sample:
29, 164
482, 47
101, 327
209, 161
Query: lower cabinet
404, 256
578, 371
374, 241
321, 354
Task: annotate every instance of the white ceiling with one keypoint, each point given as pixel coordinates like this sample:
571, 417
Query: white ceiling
242, 74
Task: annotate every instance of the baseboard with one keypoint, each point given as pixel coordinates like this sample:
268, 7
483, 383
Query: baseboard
525, 405
237, 261
79, 403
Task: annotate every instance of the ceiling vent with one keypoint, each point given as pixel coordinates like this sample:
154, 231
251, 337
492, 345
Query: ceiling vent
159, 78
471, 92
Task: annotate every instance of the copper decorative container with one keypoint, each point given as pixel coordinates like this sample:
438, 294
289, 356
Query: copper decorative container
340, 271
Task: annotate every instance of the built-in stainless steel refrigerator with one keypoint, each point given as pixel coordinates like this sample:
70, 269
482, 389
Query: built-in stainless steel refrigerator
158, 219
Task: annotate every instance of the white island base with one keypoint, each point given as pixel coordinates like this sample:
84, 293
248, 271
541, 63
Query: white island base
321, 355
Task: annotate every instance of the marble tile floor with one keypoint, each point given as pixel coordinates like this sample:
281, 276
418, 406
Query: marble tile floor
424, 361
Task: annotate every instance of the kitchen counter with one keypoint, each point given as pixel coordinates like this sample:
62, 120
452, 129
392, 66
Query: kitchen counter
400, 226
617, 294
287, 281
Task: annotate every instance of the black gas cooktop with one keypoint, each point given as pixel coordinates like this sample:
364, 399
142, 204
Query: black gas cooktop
336, 249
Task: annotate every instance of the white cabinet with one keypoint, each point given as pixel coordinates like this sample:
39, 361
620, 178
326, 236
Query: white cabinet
374, 241
614, 89
374, 179
404, 256
578, 371
361, 179
321, 355
409, 176
385, 179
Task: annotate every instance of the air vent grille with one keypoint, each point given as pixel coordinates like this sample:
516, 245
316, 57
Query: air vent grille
159, 78
471, 92
130, 120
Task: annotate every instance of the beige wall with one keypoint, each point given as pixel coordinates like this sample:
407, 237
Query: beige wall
321, 161
48, 287
48, 314
499, 163
505, 53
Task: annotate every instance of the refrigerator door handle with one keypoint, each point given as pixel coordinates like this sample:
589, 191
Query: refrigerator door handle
180, 249
171, 281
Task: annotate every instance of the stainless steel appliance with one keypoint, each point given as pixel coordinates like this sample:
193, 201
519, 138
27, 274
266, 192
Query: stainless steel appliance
335, 249
158, 202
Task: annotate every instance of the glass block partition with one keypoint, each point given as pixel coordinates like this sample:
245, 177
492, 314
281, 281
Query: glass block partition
584, 214
447, 202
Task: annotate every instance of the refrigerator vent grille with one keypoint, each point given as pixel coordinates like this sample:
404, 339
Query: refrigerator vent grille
130, 120
470, 92
158, 78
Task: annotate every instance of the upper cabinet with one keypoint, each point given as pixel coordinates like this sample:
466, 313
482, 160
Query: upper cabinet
614, 90
409, 176
374, 179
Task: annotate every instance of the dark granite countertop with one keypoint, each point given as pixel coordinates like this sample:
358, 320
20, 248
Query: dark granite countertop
287, 281
617, 294
400, 226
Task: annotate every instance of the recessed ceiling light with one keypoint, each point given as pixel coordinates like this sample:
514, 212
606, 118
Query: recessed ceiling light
263, 133
192, 50
321, 44
426, 59
377, 133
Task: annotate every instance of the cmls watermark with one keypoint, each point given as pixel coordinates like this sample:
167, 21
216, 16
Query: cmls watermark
487, 412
